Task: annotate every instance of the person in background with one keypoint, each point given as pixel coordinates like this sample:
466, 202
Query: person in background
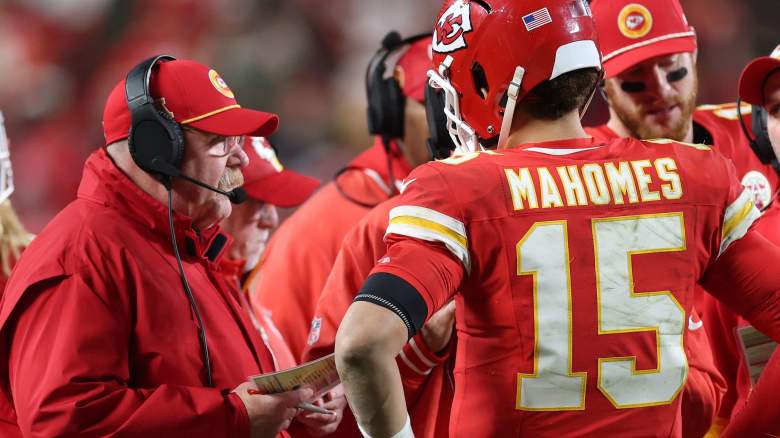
427, 360
759, 85
268, 185
301, 252
14, 238
651, 85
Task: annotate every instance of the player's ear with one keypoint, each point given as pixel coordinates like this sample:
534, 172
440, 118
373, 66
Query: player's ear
695, 56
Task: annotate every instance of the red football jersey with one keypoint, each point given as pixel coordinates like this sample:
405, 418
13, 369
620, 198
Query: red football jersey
721, 123
576, 262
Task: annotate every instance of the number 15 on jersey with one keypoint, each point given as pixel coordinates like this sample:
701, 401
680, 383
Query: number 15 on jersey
544, 254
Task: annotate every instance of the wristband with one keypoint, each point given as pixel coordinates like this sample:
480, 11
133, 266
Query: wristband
405, 432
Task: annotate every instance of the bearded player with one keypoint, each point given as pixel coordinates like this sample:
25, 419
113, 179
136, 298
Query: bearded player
632, 224
651, 86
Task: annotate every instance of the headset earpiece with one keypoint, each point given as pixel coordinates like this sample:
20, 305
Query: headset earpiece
759, 141
155, 137
386, 100
760, 133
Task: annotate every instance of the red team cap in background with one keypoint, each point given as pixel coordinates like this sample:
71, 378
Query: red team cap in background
196, 96
266, 180
753, 77
411, 71
632, 32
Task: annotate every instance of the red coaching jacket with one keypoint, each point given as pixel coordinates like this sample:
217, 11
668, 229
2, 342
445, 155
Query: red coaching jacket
302, 251
97, 335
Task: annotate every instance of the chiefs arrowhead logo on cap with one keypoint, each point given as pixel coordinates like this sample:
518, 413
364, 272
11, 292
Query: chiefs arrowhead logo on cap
775, 53
635, 21
451, 28
220, 85
266, 152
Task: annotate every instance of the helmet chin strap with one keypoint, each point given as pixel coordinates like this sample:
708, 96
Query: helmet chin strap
509, 111
596, 86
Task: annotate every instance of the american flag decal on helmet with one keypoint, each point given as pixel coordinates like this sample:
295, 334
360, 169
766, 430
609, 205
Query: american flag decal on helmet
537, 19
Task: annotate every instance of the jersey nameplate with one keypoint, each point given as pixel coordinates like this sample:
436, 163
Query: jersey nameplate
594, 184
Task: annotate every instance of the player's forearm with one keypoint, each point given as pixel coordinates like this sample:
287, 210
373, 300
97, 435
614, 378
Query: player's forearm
747, 279
375, 394
368, 340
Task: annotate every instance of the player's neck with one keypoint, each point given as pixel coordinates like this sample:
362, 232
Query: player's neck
540, 131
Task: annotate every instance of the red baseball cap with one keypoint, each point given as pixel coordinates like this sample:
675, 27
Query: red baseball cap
633, 31
266, 180
196, 96
411, 71
753, 77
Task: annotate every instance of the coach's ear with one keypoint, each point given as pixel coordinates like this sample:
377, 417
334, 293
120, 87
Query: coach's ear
695, 56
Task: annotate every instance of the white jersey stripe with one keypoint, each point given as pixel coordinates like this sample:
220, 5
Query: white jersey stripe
416, 231
430, 215
739, 216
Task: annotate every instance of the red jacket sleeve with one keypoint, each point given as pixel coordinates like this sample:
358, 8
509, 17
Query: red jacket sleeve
743, 281
69, 375
759, 417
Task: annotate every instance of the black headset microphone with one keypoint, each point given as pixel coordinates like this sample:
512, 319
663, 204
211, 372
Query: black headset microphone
158, 164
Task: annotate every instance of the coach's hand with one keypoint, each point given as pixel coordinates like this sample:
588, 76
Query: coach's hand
438, 330
272, 413
323, 424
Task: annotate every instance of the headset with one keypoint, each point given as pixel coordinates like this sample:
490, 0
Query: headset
156, 143
386, 104
386, 100
759, 141
155, 137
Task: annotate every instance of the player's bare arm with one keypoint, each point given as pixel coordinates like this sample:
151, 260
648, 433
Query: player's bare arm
367, 342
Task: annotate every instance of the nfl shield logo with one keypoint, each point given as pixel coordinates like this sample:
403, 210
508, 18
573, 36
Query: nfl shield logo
314, 332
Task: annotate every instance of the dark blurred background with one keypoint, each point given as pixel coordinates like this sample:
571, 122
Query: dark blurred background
302, 59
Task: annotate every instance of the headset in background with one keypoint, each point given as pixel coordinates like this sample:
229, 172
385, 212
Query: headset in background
386, 106
759, 141
386, 100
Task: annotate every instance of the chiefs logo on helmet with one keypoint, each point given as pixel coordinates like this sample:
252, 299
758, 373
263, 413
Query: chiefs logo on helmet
451, 28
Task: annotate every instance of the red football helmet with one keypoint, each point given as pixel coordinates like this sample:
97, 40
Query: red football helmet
489, 54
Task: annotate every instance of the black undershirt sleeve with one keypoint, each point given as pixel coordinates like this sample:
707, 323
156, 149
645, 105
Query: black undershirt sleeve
395, 294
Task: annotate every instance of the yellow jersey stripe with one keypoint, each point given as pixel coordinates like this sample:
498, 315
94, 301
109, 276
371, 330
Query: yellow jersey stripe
731, 224
430, 226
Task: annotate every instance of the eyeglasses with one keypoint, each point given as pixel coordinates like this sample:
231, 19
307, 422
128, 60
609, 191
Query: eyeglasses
219, 145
